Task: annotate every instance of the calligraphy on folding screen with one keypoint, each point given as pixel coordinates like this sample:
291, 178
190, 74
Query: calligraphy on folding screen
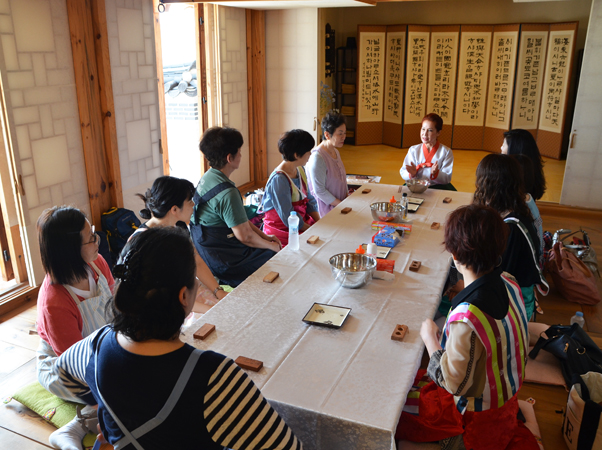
501, 82
473, 70
443, 67
529, 78
371, 72
442, 76
556, 80
416, 78
396, 44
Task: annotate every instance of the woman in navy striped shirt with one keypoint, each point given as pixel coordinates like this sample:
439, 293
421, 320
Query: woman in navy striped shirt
153, 391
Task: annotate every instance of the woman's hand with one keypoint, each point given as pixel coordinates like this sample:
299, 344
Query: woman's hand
411, 168
435, 170
274, 240
429, 332
220, 294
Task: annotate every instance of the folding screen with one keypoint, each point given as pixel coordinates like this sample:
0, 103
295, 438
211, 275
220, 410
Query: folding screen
416, 83
529, 76
370, 83
501, 85
394, 86
556, 88
473, 71
443, 66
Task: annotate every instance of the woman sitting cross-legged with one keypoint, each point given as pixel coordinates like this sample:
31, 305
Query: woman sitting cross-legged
327, 176
152, 390
228, 242
168, 203
477, 365
72, 303
500, 185
286, 189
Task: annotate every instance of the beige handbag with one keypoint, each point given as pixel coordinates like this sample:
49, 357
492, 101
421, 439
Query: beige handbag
582, 428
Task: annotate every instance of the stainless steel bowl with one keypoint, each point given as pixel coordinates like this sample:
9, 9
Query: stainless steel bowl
352, 270
418, 186
386, 211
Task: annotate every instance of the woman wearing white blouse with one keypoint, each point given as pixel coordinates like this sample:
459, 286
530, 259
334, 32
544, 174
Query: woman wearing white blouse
430, 160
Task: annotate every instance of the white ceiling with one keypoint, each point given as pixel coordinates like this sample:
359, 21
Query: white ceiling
292, 4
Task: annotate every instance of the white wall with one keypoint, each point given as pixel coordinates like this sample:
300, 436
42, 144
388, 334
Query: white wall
37, 66
291, 74
583, 174
133, 67
233, 63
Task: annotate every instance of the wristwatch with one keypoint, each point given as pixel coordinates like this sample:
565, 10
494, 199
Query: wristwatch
218, 288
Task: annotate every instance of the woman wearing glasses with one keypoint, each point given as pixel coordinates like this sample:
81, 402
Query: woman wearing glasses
76, 289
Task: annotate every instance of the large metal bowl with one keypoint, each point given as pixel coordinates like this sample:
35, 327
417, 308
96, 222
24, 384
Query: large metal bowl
418, 186
386, 211
352, 270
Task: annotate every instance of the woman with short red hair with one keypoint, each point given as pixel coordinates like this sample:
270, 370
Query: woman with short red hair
477, 364
430, 160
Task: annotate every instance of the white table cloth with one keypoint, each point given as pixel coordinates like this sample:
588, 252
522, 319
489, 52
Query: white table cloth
338, 388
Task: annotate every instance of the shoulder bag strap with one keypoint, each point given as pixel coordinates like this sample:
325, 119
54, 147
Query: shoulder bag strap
198, 200
130, 438
544, 291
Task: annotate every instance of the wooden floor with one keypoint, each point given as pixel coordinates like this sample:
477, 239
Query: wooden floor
386, 161
20, 428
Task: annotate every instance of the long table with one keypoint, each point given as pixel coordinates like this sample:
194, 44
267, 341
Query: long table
338, 388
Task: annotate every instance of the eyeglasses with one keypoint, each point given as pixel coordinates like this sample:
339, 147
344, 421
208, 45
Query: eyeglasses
95, 237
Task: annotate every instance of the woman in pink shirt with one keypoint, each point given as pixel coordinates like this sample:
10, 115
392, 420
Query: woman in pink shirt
72, 300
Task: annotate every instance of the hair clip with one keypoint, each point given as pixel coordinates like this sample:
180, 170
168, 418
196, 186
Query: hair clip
120, 271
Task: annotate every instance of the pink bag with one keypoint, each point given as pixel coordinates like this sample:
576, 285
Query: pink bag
572, 278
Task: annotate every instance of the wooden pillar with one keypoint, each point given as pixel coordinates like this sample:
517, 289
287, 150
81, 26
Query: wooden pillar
201, 76
89, 43
256, 86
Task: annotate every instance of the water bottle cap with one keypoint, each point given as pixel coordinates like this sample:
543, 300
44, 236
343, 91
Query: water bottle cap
360, 250
393, 200
405, 194
579, 313
293, 213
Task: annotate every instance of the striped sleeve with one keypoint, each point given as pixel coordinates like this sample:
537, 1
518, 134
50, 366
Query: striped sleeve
239, 417
72, 364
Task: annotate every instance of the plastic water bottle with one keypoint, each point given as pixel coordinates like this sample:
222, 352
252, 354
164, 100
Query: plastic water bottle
293, 231
578, 318
404, 205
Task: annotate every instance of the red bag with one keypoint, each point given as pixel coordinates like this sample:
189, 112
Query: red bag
572, 278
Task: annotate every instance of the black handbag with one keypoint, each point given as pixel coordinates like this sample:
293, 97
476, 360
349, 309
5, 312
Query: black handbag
577, 353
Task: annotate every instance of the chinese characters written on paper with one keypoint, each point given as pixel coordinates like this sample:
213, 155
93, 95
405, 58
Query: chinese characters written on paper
418, 44
444, 53
528, 84
394, 76
371, 76
557, 74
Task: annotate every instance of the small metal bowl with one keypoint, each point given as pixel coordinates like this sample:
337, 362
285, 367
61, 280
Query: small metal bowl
352, 270
386, 211
418, 186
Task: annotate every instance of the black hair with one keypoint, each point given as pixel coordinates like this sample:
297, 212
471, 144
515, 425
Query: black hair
165, 193
219, 142
527, 169
521, 142
59, 235
331, 121
499, 185
155, 265
294, 144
